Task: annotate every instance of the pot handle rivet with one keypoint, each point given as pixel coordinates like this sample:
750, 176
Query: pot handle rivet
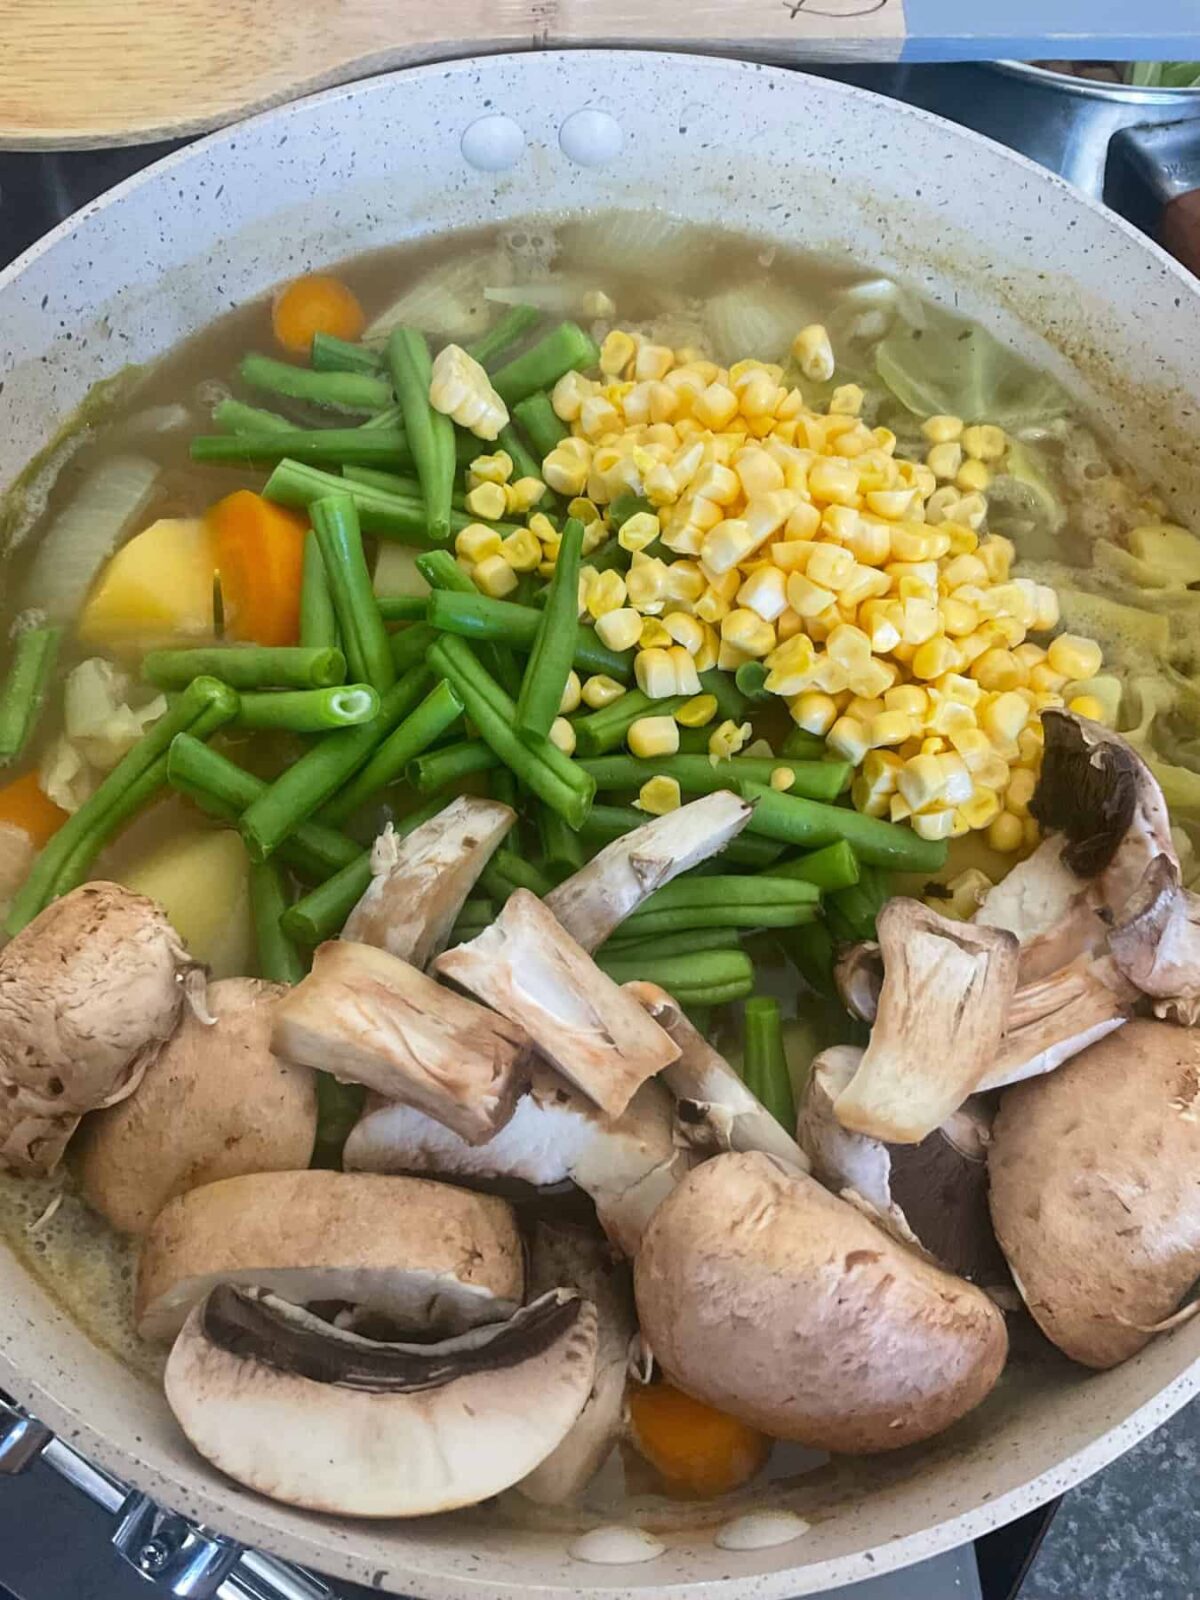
591, 137
493, 143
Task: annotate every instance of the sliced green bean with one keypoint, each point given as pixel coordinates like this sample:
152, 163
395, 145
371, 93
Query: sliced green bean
443, 574
223, 789
247, 666
402, 607
388, 516
377, 478
689, 942
517, 320
502, 786
438, 769
607, 729
309, 710
410, 646
365, 641
330, 354
553, 651
808, 823
811, 949
391, 417
35, 653
475, 916
507, 871
764, 1060
477, 616
833, 867
628, 505
543, 364
605, 823
203, 707
430, 434
706, 978
318, 624
562, 848
235, 416
803, 746
537, 416
525, 463
339, 1106
326, 447
436, 715
335, 391
699, 774
725, 902
751, 678
278, 959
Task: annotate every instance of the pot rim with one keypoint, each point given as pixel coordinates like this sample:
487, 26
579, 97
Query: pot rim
1088, 89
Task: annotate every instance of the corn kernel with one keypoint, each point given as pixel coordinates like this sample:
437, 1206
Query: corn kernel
493, 576
606, 593
687, 680
653, 736
833, 481
568, 395
765, 593
829, 566
653, 635
984, 442
1005, 833
684, 630
1074, 656
849, 646
1020, 792
1003, 717
562, 736
972, 477
814, 712
638, 531
944, 461
889, 728
848, 738
937, 824
653, 361
971, 509
997, 670
659, 795
814, 353
496, 468
862, 709
697, 712
950, 716
728, 739
617, 351
476, 542
619, 629
931, 745
942, 429
899, 809
715, 407
959, 784
997, 555
747, 631
806, 598
521, 550
565, 470
803, 521
600, 690
934, 658
922, 780
655, 672
891, 504
486, 500
1046, 610
919, 623
523, 495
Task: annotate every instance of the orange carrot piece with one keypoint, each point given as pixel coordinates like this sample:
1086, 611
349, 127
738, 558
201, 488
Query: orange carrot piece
24, 806
698, 1450
259, 551
315, 304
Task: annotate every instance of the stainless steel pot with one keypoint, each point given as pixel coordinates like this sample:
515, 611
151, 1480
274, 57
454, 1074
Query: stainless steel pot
775, 154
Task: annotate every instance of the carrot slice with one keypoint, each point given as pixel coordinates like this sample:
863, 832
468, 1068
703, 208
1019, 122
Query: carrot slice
24, 806
697, 1449
315, 304
259, 551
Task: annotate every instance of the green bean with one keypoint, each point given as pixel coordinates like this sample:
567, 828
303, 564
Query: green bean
332, 447
278, 959
607, 728
502, 786
850, 914
687, 943
833, 867
506, 871
223, 789
365, 640
436, 714
35, 653
339, 1106
387, 516
443, 574
247, 666
764, 1060
336, 391
562, 848
234, 416
402, 607
322, 770
543, 364
725, 902
318, 624
330, 354
553, 651
537, 416
475, 916
322, 913
732, 704
410, 646
699, 774
376, 478
708, 978
515, 321
477, 616
605, 823
525, 463
391, 417
203, 707
537, 763
808, 823
811, 950
430, 434
437, 769
750, 678
803, 746
309, 710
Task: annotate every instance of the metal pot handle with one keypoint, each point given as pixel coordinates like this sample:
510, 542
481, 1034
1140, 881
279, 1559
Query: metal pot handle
1156, 174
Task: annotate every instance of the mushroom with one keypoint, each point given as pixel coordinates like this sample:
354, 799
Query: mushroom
715, 1109
931, 1195
529, 969
765, 1296
214, 1103
368, 1017
1157, 947
419, 882
430, 1257
946, 992
561, 1255
1094, 1191
594, 900
627, 1164
323, 1418
88, 991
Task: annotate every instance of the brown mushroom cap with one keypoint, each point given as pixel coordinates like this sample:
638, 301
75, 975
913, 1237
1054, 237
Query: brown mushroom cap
769, 1298
1094, 1190
430, 1257
215, 1103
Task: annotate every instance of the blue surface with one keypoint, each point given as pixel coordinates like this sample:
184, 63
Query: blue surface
1026, 30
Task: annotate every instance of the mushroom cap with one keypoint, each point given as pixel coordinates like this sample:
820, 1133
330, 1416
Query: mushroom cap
767, 1297
428, 1256
214, 1103
88, 991
321, 1418
1094, 1190
33, 1137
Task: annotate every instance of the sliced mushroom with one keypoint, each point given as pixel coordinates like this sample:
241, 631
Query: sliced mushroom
769, 1298
1094, 1190
88, 992
715, 1109
1157, 946
368, 1017
529, 969
428, 1256
419, 883
322, 1418
1053, 1018
597, 898
931, 1195
628, 1164
947, 988
561, 1255
215, 1103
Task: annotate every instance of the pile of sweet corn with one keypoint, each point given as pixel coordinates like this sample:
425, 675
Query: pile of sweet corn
799, 539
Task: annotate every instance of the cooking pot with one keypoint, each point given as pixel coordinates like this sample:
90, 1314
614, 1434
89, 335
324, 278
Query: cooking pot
782, 156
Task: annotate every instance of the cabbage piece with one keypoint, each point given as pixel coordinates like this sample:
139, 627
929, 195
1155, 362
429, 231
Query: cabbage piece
450, 302
64, 776
754, 322
1133, 638
1023, 504
85, 533
1172, 553
97, 716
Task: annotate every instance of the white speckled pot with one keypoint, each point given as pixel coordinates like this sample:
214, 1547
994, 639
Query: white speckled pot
780, 155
